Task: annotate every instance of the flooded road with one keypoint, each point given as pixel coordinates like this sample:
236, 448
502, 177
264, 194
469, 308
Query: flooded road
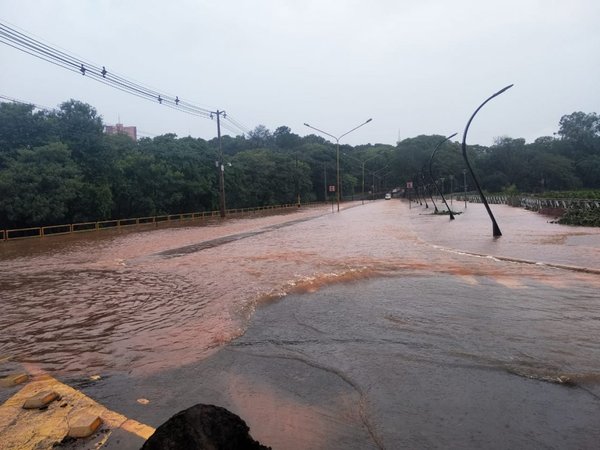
382, 326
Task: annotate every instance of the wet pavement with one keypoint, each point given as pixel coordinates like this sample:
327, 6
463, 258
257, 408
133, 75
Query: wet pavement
382, 326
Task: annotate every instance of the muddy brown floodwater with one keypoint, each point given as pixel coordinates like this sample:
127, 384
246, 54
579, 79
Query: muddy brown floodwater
382, 326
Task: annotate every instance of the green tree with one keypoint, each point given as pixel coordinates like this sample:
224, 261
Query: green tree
554, 172
588, 169
80, 127
22, 127
261, 137
582, 131
193, 161
579, 126
38, 187
285, 139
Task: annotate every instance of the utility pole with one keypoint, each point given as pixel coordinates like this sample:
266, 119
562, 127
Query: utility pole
221, 165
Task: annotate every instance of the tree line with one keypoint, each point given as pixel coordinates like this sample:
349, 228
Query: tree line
60, 167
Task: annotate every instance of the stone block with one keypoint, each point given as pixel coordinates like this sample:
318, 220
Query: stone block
84, 425
40, 400
13, 380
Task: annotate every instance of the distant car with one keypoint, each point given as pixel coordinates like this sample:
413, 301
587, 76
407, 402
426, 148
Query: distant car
388, 196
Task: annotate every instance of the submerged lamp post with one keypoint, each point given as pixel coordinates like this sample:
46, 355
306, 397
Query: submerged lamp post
495, 228
423, 187
465, 185
427, 187
337, 142
433, 179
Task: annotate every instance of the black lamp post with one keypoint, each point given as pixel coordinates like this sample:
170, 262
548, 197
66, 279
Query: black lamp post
495, 227
433, 179
465, 185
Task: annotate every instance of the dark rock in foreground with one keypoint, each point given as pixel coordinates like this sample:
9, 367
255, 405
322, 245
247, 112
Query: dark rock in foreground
206, 427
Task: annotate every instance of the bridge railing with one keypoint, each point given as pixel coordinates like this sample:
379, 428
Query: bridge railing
56, 230
535, 203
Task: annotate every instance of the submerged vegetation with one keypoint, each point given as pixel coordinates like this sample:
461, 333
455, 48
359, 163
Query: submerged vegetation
581, 216
580, 194
60, 167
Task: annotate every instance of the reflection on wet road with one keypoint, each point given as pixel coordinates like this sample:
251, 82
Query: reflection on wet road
397, 327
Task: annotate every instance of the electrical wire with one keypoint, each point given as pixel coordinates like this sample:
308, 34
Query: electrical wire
16, 100
244, 129
34, 47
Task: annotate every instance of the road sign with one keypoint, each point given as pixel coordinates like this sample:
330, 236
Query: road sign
409, 184
331, 188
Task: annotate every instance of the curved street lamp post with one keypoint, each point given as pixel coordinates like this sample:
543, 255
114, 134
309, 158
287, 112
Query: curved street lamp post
424, 190
465, 185
433, 179
337, 142
495, 229
427, 189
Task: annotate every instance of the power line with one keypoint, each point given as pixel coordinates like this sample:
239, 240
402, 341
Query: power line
16, 100
244, 129
34, 47
42, 51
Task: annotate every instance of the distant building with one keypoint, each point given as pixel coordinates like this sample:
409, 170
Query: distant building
120, 129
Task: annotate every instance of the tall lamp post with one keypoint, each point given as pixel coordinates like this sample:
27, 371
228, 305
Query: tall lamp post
465, 185
374, 175
433, 180
362, 163
337, 142
495, 228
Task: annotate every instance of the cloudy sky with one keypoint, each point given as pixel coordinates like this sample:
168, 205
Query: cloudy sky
414, 66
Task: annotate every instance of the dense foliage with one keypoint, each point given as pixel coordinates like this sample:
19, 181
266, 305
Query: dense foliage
581, 216
60, 167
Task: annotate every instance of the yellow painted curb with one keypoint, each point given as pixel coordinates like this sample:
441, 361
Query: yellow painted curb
29, 429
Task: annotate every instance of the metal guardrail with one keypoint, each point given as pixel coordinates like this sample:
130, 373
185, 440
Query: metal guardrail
536, 203
57, 230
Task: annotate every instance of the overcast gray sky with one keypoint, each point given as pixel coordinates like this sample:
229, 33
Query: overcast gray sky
414, 66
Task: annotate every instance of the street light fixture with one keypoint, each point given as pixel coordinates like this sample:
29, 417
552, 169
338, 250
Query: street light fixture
362, 163
465, 185
495, 228
378, 176
433, 180
337, 142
